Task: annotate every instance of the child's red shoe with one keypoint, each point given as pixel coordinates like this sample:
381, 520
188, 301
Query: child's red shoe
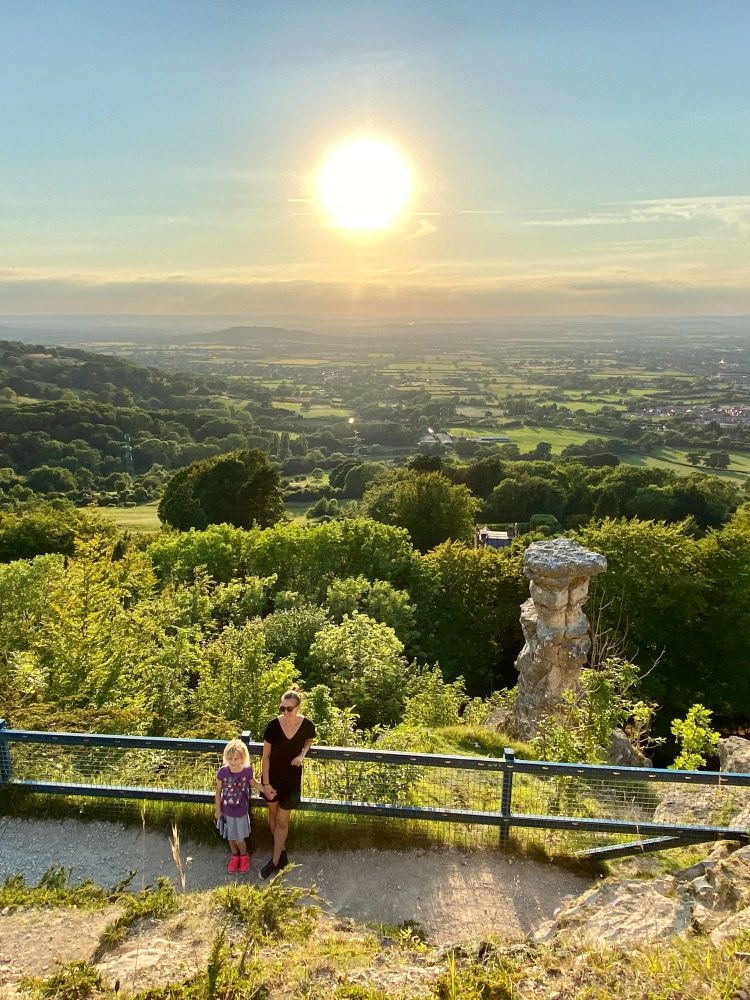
244, 863
234, 863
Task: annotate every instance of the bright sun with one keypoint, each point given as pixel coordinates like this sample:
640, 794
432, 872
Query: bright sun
364, 184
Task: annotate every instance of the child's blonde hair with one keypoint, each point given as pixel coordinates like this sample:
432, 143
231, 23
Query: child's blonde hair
236, 747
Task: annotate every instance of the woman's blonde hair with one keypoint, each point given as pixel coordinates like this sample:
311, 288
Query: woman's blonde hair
292, 694
237, 747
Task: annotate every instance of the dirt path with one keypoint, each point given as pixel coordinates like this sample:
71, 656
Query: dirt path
454, 896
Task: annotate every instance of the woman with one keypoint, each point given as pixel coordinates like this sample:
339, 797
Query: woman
286, 741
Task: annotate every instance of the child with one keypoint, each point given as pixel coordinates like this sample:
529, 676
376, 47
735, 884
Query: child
233, 783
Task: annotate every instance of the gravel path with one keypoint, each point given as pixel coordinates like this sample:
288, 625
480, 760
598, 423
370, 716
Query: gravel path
454, 896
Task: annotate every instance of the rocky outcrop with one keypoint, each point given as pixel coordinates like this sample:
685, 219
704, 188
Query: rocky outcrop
622, 753
734, 755
623, 914
555, 627
711, 897
712, 805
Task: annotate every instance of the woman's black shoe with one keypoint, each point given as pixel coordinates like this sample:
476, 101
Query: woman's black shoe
268, 869
283, 860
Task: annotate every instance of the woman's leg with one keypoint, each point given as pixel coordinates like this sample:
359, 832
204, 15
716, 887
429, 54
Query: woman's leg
281, 829
273, 808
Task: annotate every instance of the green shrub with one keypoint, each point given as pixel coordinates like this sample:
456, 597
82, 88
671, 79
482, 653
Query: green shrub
272, 911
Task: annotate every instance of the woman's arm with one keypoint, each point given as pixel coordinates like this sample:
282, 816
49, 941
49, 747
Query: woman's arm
297, 762
217, 800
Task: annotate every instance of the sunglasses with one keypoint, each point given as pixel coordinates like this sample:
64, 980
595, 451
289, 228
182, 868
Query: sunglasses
287, 708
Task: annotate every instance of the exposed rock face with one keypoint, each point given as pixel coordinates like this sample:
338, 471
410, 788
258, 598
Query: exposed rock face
712, 897
622, 753
622, 914
734, 754
710, 805
554, 626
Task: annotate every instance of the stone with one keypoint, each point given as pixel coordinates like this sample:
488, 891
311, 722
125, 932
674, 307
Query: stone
735, 925
554, 626
734, 755
623, 914
622, 753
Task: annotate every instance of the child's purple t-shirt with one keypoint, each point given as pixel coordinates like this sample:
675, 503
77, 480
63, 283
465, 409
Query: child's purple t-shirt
235, 791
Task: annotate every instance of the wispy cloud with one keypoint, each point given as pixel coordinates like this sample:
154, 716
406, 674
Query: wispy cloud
424, 228
726, 210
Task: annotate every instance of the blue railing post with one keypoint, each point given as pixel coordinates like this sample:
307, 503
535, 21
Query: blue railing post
246, 738
506, 795
6, 769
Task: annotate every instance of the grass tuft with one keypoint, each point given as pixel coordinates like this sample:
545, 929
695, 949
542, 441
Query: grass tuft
54, 889
73, 981
272, 911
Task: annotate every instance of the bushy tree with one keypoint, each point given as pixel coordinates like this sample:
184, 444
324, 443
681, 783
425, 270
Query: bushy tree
654, 594
220, 550
240, 488
695, 737
434, 702
428, 505
35, 528
518, 499
290, 632
238, 679
380, 600
362, 662
468, 605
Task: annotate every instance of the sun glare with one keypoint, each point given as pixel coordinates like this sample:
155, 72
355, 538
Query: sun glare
364, 184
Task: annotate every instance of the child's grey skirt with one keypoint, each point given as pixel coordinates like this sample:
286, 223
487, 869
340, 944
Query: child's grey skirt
234, 827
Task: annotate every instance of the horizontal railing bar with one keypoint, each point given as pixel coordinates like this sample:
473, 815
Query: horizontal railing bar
399, 757
634, 847
597, 825
114, 791
554, 769
116, 742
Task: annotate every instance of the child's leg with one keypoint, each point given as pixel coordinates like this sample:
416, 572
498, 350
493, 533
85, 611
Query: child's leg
234, 846
242, 847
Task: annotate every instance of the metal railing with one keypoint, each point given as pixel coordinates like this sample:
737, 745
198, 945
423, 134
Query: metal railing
654, 808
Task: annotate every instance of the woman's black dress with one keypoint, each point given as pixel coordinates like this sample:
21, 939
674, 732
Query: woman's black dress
282, 774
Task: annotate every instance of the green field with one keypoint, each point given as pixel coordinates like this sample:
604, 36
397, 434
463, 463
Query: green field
296, 510
527, 438
143, 518
675, 460
316, 409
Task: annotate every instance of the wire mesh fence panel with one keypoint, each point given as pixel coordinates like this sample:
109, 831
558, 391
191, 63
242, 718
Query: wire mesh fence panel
355, 797
115, 767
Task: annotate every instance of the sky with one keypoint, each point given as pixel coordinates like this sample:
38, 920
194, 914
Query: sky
569, 157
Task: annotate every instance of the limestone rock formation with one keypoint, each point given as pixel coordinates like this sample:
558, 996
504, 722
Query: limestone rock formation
622, 753
711, 897
734, 755
728, 805
623, 914
554, 625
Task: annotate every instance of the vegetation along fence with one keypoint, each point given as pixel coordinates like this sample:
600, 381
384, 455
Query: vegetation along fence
592, 809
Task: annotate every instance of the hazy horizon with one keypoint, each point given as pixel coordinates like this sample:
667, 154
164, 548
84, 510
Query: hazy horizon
585, 159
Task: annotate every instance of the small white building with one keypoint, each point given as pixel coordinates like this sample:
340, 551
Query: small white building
437, 438
492, 539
